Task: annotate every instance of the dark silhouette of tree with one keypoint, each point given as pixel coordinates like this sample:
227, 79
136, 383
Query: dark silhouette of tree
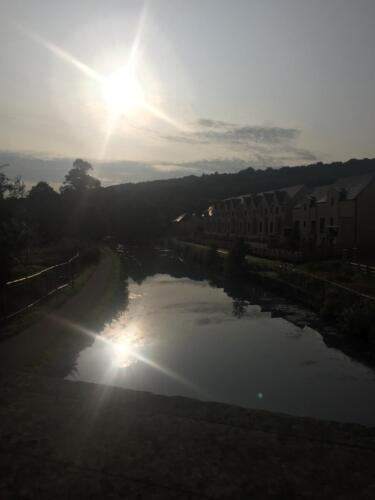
44, 209
5, 183
78, 179
17, 188
42, 190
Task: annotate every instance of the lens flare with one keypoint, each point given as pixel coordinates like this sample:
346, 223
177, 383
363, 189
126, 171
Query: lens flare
122, 92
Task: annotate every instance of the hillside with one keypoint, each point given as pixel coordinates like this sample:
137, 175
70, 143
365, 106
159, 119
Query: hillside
193, 193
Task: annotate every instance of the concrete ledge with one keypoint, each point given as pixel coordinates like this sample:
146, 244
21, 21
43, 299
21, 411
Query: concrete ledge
63, 439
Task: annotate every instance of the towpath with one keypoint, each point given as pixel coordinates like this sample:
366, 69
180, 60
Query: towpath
21, 350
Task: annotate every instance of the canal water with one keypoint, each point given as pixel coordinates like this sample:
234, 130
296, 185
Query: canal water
181, 334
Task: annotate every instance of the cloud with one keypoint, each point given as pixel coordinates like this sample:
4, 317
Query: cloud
206, 122
259, 146
33, 167
220, 165
220, 132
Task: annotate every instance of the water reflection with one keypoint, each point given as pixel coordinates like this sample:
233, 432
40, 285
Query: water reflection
181, 334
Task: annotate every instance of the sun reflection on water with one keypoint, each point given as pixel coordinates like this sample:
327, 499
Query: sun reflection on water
125, 339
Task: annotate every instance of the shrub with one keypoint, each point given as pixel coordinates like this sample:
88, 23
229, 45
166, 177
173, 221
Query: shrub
358, 319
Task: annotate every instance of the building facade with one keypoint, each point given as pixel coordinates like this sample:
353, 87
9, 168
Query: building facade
338, 215
265, 217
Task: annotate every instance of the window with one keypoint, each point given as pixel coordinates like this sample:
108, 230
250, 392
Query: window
332, 201
304, 223
304, 207
331, 221
277, 210
260, 227
271, 227
313, 226
322, 224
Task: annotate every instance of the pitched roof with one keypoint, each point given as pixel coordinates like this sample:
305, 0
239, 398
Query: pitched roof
352, 185
290, 191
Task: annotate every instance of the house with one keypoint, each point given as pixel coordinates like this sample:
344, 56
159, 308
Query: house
265, 217
337, 215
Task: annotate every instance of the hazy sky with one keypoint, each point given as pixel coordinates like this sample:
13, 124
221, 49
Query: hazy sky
169, 87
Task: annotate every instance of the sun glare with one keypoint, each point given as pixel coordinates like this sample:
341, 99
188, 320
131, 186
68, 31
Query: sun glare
122, 92
122, 353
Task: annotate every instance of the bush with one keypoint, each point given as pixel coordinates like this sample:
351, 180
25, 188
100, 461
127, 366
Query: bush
358, 319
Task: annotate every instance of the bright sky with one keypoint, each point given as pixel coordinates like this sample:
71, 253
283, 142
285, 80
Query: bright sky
167, 88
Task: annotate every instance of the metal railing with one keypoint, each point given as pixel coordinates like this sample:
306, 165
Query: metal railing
22, 294
363, 268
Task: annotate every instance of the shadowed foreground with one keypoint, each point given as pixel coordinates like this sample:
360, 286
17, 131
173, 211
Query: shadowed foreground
63, 439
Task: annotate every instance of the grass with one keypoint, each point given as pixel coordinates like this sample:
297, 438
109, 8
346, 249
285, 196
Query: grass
342, 273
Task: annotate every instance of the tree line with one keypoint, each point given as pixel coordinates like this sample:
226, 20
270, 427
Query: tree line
83, 211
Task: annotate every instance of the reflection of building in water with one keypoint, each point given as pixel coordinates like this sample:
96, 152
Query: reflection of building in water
337, 215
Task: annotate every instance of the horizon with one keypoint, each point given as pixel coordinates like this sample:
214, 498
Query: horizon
53, 170
129, 87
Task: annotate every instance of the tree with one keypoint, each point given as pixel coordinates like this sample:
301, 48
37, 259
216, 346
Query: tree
17, 188
44, 208
42, 190
78, 180
5, 183
12, 225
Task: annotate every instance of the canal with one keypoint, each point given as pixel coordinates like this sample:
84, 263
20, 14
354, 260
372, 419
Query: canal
181, 332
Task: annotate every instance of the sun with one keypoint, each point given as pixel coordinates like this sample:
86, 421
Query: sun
122, 92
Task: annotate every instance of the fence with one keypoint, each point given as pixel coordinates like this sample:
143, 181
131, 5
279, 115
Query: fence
24, 293
363, 268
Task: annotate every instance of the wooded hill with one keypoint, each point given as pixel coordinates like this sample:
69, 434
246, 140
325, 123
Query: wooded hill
172, 197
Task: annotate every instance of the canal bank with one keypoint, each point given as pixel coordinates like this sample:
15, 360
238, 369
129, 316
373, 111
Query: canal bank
350, 311
45, 342
61, 440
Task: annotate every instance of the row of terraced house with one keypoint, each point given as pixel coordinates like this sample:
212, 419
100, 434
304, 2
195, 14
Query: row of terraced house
339, 215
